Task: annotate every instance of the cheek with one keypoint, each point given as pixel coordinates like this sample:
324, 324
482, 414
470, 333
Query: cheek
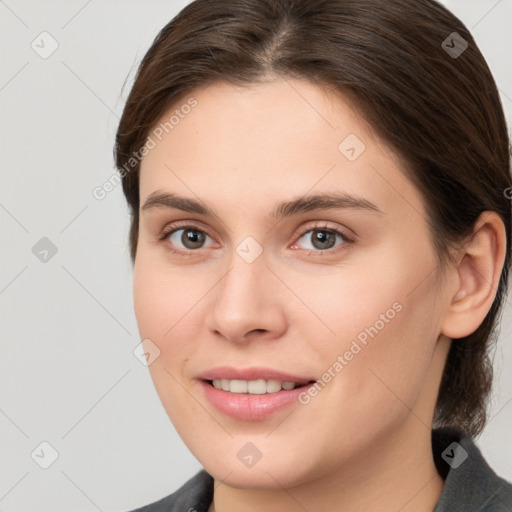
384, 324
162, 295
169, 307
161, 305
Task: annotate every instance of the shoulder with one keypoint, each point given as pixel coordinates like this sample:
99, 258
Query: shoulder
470, 484
194, 496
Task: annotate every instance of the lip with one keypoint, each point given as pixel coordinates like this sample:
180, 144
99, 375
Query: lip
245, 406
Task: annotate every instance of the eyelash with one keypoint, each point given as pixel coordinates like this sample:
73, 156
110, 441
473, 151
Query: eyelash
176, 227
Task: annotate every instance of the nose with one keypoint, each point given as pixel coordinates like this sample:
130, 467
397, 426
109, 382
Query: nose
248, 303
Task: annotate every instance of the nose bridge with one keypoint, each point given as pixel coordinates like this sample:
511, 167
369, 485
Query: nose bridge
245, 298
245, 281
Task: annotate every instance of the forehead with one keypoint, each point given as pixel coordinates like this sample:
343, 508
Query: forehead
251, 145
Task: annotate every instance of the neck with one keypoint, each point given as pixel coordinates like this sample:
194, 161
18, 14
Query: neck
398, 474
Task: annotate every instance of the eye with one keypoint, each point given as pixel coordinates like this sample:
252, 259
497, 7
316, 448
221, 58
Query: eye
187, 237
322, 239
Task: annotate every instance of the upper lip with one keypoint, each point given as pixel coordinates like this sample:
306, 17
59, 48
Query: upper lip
252, 373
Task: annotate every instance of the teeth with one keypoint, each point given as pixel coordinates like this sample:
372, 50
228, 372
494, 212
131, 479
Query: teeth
238, 386
273, 386
257, 387
253, 387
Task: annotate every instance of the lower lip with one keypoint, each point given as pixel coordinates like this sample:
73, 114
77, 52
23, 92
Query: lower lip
245, 406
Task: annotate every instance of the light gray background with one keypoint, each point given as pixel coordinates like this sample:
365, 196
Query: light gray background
68, 373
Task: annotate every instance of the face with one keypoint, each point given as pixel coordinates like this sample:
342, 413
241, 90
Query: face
302, 283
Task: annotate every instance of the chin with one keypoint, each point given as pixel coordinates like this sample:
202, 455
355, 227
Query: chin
240, 464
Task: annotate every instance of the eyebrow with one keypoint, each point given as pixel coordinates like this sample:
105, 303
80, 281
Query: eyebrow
297, 206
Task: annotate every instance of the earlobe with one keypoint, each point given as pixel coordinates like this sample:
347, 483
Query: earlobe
478, 275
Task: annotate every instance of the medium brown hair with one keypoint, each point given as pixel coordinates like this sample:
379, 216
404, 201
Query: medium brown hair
441, 113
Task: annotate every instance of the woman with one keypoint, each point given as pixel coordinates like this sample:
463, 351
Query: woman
321, 242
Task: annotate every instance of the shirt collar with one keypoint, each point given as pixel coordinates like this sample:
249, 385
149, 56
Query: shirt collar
470, 484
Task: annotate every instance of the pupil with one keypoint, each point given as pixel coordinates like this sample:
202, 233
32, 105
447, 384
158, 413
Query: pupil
192, 239
324, 240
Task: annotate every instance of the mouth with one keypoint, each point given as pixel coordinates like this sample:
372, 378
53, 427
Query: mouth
252, 394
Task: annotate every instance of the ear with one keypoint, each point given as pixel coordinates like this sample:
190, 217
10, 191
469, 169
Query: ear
476, 277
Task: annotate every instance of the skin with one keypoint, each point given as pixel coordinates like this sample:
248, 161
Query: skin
365, 438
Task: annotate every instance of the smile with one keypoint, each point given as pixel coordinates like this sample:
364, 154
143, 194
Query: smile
251, 394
